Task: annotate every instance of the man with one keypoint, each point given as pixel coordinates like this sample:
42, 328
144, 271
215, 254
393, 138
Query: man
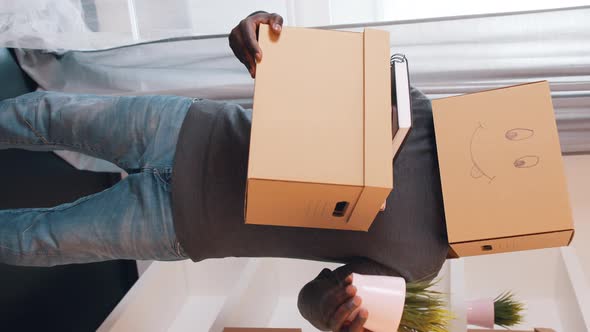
184, 196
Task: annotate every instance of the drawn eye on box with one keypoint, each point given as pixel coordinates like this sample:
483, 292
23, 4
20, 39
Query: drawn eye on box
519, 134
515, 135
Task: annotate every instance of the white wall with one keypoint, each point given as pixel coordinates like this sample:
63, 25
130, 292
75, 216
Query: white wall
113, 16
152, 19
532, 275
416, 9
577, 169
538, 277
220, 16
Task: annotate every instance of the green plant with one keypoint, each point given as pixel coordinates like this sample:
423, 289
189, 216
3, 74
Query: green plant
507, 310
425, 309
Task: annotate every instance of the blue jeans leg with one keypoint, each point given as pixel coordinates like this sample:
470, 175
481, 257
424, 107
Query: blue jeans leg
132, 219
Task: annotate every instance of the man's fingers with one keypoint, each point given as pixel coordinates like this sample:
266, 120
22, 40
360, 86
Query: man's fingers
276, 23
343, 312
274, 20
244, 38
250, 64
344, 294
236, 43
244, 53
348, 280
359, 321
340, 295
249, 37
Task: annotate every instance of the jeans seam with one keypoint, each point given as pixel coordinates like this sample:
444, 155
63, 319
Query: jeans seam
166, 185
29, 253
36, 132
38, 253
28, 100
56, 143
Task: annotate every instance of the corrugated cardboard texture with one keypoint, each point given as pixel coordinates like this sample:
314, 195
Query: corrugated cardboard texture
501, 167
509, 244
300, 204
291, 141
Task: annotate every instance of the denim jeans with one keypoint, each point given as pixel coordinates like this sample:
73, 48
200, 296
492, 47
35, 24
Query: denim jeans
132, 219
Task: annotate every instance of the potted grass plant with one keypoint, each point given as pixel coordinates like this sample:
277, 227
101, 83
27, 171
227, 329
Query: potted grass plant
395, 305
504, 311
507, 310
424, 309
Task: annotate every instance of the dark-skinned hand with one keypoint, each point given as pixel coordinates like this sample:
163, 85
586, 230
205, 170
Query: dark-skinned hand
346, 302
334, 303
243, 39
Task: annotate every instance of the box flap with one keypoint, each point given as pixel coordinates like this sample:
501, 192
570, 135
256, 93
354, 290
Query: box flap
378, 154
510, 244
501, 168
378, 137
302, 204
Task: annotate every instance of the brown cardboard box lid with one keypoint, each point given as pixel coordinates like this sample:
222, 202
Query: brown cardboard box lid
322, 108
501, 167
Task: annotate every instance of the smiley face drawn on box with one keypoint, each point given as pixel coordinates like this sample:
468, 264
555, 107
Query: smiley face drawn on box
500, 163
513, 135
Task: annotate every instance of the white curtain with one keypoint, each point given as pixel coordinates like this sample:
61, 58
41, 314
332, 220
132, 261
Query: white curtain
446, 56
52, 25
99, 24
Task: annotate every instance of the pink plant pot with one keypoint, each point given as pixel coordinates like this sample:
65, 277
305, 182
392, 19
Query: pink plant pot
481, 313
384, 299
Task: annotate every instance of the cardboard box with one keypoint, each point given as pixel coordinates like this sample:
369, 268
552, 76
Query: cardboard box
321, 140
257, 329
502, 174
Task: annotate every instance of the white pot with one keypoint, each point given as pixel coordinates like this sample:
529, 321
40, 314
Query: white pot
384, 299
481, 313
